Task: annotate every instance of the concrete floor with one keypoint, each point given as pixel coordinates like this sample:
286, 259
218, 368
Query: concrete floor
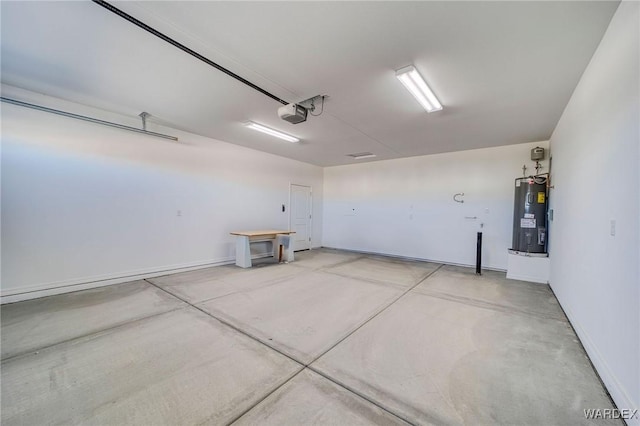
333, 338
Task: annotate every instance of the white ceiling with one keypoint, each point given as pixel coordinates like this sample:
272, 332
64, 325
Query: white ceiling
504, 71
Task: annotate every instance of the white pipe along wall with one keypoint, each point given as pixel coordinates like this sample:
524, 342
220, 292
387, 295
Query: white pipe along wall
405, 207
85, 205
595, 234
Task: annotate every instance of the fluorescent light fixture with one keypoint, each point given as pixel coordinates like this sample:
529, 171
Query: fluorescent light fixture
415, 84
361, 155
272, 132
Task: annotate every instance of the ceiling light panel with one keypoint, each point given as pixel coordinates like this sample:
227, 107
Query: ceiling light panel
271, 132
415, 84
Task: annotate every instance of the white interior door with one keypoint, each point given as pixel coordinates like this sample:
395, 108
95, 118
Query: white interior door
300, 216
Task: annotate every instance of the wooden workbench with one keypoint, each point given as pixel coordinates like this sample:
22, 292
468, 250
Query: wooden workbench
276, 236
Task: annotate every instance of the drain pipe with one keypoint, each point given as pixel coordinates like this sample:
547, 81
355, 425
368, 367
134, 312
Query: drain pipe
479, 254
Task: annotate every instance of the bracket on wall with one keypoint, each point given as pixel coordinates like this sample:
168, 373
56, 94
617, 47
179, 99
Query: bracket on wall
144, 116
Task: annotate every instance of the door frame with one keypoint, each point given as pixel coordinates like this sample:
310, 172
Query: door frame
291, 185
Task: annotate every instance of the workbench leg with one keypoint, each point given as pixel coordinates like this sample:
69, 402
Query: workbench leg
289, 251
243, 253
286, 242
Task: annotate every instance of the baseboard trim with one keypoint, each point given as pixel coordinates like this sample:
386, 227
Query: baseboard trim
69, 286
618, 394
529, 279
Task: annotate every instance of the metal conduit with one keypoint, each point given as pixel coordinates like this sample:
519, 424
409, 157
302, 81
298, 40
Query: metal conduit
85, 118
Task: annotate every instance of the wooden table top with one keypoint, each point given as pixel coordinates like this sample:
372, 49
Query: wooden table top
261, 233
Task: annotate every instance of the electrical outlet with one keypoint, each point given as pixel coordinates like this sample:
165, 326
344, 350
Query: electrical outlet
613, 228
179, 213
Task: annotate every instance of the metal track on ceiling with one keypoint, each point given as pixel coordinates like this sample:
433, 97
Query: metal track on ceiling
185, 49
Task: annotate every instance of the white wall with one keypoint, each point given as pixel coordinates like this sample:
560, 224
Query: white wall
86, 203
405, 207
595, 149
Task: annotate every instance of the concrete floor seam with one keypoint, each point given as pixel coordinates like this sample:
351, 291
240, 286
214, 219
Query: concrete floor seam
226, 323
368, 280
267, 395
376, 314
483, 304
268, 284
361, 395
473, 350
304, 366
355, 392
84, 336
308, 365
333, 265
377, 404
256, 338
